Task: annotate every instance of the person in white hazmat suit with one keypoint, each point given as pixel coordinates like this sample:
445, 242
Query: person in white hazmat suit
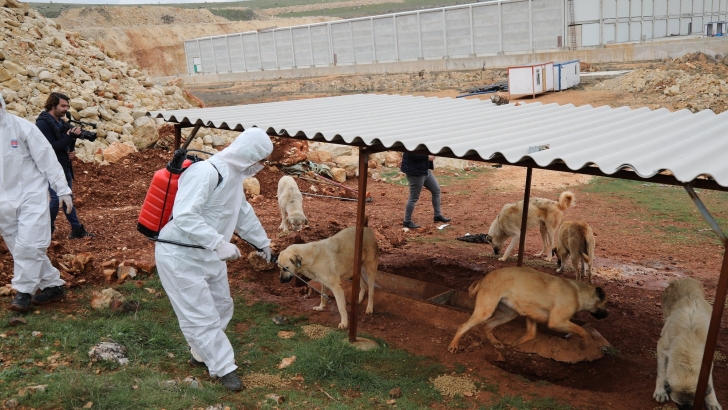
27, 165
209, 206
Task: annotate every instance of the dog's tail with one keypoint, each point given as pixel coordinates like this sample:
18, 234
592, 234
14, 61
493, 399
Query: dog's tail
566, 199
474, 288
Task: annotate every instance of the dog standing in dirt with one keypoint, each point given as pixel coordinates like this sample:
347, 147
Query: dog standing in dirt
504, 294
575, 239
680, 350
290, 202
331, 260
545, 213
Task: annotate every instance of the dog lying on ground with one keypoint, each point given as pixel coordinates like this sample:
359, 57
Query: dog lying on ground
330, 260
680, 350
505, 293
290, 202
545, 213
575, 239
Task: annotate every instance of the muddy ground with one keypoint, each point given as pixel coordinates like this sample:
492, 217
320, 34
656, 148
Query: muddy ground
633, 266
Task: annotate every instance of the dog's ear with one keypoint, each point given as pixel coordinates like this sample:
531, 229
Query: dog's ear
600, 293
296, 261
488, 238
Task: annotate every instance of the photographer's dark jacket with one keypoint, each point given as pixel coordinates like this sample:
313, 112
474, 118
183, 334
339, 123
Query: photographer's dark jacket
416, 164
61, 142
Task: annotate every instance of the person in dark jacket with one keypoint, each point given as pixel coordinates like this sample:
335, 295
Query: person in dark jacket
418, 168
63, 140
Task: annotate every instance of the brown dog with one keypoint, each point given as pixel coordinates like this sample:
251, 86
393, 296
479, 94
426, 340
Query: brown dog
545, 213
505, 293
330, 260
686, 314
575, 239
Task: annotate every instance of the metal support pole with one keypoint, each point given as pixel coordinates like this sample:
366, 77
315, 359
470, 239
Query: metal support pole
718, 306
472, 33
310, 45
353, 49
712, 339
360, 214
419, 35
444, 32
177, 135
242, 49
374, 43
293, 48
524, 216
706, 214
257, 43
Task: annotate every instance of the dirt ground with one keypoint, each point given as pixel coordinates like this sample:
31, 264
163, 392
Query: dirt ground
632, 266
633, 269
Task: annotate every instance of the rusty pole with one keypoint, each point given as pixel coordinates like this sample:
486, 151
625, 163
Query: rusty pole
360, 213
177, 135
524, 216
713, 330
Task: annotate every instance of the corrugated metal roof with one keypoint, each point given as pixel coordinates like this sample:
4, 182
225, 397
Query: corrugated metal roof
647, 141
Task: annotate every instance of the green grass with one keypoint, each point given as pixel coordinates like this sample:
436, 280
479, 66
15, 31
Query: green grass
376, 9
336, 376
234, 14
668, 211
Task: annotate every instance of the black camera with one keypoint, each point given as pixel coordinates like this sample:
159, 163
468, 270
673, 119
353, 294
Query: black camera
85, 135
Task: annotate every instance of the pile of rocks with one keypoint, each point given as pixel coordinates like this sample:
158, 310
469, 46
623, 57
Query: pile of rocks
37, 57
695, 82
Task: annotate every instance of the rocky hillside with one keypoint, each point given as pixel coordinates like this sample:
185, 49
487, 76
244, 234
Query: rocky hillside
37, 57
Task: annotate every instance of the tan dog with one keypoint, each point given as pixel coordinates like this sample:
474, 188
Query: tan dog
575, 239
505, 293
330, 260
680, 350
545, 213
290, 202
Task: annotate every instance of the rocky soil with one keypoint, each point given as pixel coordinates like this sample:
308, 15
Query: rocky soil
38, 57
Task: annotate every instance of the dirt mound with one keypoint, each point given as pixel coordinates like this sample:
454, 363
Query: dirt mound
695, 82
131, 16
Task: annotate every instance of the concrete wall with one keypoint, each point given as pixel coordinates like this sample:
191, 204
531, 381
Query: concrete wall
647, 51
491, 27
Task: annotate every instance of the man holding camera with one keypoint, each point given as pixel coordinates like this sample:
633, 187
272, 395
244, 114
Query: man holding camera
62, 137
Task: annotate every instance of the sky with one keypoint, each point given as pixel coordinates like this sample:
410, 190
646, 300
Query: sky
129, 1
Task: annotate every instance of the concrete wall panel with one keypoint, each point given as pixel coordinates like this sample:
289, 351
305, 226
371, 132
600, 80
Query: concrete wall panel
235, 51
384, 39
458, 32
408, 37
486, 31
342, 45
302, 47
363, 46
322, 55
432, 33
516, 33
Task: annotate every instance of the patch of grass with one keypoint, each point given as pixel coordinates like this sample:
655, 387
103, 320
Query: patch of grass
332, 361
519, 403
234, 14
375, 9
671, 214
610, 351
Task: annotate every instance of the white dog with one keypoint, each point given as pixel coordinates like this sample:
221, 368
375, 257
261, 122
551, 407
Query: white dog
680, 350
544, 213
290, 202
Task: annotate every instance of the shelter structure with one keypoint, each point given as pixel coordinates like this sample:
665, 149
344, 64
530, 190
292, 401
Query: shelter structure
676, 148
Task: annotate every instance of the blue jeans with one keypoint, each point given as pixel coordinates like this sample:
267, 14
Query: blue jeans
72, 217
416, 183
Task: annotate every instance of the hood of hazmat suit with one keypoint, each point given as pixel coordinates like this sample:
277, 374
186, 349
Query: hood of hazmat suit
206, 211
27, 161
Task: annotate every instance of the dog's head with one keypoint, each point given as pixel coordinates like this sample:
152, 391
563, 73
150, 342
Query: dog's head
598, 303
496, 237
297, 221
683, 370
289, 261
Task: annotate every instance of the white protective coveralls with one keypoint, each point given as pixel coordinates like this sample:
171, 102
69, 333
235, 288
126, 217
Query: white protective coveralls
27, 164
206, 214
